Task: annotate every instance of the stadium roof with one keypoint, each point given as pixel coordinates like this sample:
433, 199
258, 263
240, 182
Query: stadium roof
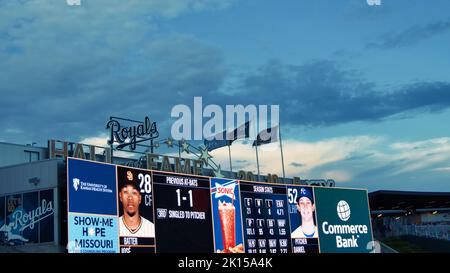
408, 200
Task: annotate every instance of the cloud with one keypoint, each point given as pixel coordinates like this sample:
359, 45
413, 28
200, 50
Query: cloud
13, 131
101, 141
296, 164
421, 154
321, 93
410, 36
313, 155
75, 67
443, 169
338, 175
359, 156
402, 161
374, 160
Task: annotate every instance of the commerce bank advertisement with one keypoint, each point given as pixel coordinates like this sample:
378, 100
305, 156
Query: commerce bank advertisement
116, 209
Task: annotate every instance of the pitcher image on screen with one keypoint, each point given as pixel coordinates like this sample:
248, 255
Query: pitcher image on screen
306, 209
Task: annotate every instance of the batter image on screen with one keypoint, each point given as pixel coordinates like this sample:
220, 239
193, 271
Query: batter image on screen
305, 207
131, 223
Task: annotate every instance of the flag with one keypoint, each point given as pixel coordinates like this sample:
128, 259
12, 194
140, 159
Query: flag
217, 141
266, 136
225, 139
242, 131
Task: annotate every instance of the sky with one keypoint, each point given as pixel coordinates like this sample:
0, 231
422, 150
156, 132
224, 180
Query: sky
364, 91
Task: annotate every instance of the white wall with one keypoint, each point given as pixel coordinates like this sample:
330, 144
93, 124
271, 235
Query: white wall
12, 154
14, 179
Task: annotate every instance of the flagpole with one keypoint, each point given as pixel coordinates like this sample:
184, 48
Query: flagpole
256, 147
229, 156
257, 159
282, 156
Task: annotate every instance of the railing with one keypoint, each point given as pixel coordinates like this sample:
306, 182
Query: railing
441, 232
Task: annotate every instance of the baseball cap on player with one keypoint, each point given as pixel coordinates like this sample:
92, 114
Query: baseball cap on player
129, 183
305, 192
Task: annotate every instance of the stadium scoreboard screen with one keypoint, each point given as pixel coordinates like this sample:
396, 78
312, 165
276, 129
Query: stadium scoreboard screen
115, 209
265, 218
183, 212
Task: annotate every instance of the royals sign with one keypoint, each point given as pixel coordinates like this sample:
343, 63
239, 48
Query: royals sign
134, 134
27, 217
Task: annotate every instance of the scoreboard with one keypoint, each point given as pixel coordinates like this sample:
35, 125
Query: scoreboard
183, 211
265, 217
116, 209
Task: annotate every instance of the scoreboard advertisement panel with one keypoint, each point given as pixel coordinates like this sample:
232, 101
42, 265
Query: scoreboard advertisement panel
227, 216
89, 233
114, 209
183, 213
265, 216
92, 207
343, 220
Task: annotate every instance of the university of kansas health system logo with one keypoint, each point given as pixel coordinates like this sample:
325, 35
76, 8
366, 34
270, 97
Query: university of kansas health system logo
76, 183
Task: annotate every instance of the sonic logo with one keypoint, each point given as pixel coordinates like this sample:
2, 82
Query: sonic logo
225, 190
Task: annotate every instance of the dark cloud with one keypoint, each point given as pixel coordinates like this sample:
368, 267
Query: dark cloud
296, 164
66, 77
321, 93
241, 161
70, 101
410, 36
65, 70
75, 100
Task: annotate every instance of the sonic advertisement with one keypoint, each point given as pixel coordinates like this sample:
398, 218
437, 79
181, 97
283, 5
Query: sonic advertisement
120, 209
227, 216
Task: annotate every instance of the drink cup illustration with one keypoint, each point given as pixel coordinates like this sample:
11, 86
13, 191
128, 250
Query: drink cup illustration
227, 224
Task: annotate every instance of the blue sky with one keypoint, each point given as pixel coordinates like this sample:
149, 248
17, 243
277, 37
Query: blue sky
364, 91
